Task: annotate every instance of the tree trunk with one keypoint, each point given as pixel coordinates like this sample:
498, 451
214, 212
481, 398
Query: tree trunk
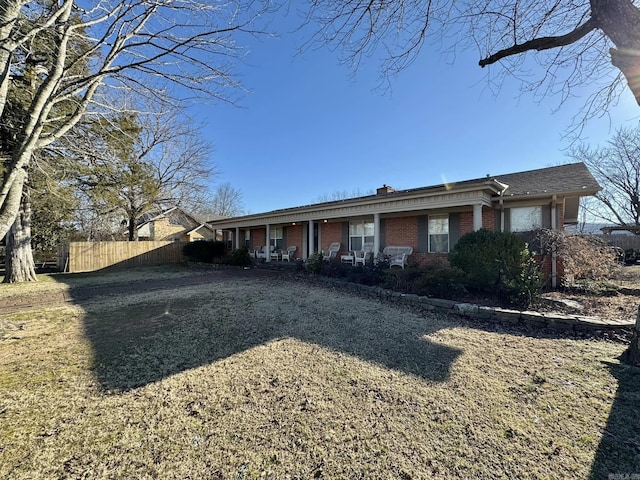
19, 265
620, 21
132, 229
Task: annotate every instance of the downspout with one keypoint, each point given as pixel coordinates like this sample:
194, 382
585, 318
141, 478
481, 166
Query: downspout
503, 188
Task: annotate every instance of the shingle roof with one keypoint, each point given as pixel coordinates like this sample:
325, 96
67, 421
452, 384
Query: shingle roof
572, 177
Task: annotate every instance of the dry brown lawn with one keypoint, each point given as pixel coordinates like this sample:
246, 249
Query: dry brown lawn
267, 377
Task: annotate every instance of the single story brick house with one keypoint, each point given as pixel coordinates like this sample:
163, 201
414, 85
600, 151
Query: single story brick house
428, 219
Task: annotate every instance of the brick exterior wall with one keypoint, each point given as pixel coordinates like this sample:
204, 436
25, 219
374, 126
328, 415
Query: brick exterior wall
428, 259
489, 216
402, 231
164, 230
294, 238
258, 237
331, 232
466, 222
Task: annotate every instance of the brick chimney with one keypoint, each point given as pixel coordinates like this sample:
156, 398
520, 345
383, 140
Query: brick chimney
384, 189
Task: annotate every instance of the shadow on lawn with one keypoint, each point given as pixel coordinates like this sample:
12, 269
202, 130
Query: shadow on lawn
165, 340
618, 454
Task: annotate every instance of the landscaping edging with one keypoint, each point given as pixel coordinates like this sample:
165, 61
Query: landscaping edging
559, 321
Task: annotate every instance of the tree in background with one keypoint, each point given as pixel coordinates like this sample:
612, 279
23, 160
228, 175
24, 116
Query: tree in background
589, 42
226, 201
134, 164
70, 52
341, 195
55, 202
616, 166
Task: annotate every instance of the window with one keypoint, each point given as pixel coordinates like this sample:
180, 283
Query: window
438, 233
525, 219
276, 238
360, 232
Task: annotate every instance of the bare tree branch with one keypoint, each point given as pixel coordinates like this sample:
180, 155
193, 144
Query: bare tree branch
542, 43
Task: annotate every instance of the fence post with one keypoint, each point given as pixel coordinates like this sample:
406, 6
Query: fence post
633, 354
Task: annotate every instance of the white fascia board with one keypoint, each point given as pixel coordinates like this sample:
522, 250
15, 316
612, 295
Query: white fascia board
382, 204
523, 196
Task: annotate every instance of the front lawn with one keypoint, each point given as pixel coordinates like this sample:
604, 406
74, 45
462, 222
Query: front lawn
261, 376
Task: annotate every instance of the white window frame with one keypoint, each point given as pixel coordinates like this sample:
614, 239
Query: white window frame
432, 226
365, 226
276, 237
527, 222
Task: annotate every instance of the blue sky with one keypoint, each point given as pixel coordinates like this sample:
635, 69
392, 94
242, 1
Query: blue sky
310, 128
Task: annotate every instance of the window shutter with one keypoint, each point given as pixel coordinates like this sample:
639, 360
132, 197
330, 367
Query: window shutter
345, 236
383, 234
454, 229
546, 216
423, 234
507, 219
284, 237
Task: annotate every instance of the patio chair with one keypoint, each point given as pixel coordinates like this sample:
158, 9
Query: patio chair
331, 253
262, 253
397, 256
276, 254
362, 255
288, 254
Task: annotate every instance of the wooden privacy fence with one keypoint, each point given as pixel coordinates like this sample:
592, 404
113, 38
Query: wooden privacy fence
623, 241
90, 256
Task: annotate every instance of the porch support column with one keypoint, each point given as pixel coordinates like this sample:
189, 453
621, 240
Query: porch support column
376, 234
267, 242
477, 217
237, 237
312, 247
305, 242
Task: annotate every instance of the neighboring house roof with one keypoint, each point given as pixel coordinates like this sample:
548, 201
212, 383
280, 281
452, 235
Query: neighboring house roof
570, 181
203, 225
150, 217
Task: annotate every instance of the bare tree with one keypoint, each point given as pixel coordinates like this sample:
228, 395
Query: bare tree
226, 201
69, 51
582, 39
616, 166
341, 195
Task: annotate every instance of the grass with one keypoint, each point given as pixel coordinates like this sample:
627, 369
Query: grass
263, 377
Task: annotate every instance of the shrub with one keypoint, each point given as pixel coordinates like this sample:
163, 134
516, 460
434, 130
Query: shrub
522, 288
335, 269
483, 256
218, 249
204, 251
313, 264
440, 282
584, 257
370, 274
402, 280
631, 256
240, 257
